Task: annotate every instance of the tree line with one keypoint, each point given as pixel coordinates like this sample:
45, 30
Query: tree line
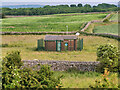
58, 9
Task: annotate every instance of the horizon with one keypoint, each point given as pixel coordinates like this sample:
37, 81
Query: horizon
53, 3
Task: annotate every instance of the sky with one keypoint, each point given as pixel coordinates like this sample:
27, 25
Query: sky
59, 0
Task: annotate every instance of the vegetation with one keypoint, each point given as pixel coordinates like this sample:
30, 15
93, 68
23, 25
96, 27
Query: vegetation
106, 28
108, 57
13, 77
114, 17
77, 79
49, 23
26, 78
47, 10
27, 44
105, 81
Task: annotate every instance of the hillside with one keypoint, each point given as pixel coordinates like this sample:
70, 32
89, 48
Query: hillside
49, 23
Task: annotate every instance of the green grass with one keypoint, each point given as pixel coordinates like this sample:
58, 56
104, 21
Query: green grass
48, 23
114, 17
111, 28
78, 79
27, 44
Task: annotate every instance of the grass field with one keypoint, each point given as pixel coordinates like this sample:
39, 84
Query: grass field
48, 22
77, 79
106, 28
27, 44
114, 17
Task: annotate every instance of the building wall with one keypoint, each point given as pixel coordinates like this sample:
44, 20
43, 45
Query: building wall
71, 45
75, 41
50, 45
62, 46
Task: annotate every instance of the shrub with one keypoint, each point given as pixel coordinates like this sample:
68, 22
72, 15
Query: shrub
10, 70
106, 20
12, 59
13, 76
106, 82
108, 57
42, 78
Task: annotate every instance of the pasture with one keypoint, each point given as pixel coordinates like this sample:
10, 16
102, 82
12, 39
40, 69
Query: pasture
27, 44
49, 23
114, 17
111, 28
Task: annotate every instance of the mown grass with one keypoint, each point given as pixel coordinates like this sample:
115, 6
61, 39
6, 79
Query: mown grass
48, 23
104, 28
78, 79
27, 44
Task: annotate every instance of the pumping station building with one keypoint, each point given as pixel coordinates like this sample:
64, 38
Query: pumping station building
60, 43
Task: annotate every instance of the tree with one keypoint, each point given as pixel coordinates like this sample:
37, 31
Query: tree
72, 5
46, 6
79, 5
105, 5
87, 5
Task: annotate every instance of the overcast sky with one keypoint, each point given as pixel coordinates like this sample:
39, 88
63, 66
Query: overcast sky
59, 0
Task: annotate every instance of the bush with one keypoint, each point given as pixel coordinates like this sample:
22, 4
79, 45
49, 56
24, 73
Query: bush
13, 76
42, 78
12, 59
108, 57
105, 20
106, 82
10, 70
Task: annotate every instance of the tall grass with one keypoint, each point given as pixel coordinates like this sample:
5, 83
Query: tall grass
79, 79
27, 44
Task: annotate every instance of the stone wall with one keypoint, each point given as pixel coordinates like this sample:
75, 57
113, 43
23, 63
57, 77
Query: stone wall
62, 65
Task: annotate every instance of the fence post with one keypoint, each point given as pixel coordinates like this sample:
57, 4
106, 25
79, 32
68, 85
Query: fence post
81, 44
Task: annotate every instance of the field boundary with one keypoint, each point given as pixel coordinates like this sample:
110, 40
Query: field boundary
117, 37
34, 33
97, 21
12, 16
65, 33
62, 65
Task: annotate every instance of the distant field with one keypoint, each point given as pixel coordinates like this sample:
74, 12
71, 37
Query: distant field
48, 23
114, 17
103, 28
27, 44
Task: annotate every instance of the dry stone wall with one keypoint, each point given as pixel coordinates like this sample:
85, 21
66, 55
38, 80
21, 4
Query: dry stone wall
62, 65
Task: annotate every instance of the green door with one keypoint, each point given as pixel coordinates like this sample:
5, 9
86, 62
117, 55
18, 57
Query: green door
58, 46
66, 46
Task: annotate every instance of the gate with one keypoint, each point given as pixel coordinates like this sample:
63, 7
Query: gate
40, 44
80, 44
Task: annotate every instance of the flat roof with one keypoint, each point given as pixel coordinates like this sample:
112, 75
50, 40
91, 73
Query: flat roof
60, 37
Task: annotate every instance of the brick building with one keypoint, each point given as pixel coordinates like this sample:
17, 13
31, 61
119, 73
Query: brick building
60, 42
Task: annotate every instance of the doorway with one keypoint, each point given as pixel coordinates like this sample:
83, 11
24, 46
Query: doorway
58, 45
66, 46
